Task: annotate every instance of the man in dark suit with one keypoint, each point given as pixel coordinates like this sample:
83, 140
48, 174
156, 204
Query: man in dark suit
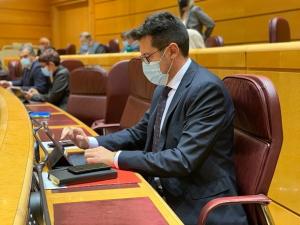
184, 142
58, 75
32, 76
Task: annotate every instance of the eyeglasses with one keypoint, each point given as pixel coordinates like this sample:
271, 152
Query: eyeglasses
146, 58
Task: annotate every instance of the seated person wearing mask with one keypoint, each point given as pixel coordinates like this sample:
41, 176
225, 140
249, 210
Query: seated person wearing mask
89, 46
44, 44
32, 76
132, 43
59, 76
183, 144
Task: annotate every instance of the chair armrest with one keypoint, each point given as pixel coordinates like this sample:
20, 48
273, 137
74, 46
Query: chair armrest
100, 125
234, 200
104, 125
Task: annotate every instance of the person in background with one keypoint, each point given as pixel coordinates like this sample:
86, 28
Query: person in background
124, 41
32, 76
132, 43
44, 43
89, 46
59, 76
195, 39
195, 18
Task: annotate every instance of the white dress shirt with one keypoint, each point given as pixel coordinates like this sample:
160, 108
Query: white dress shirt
173, 84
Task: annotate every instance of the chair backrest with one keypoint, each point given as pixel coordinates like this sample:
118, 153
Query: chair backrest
214, 41
69, 50
113, 46
258, 134
87, 100
117, 91
279, 30
14, 69
72, 64
140, 94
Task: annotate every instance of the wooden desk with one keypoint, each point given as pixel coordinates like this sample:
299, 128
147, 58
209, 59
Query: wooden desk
141, 190
16, 154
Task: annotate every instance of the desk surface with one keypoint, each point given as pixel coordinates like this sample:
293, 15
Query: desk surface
140, 192
16, 154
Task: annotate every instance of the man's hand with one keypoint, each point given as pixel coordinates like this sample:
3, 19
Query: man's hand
5, 84
33, 91
100, 155
76, 135
28, 95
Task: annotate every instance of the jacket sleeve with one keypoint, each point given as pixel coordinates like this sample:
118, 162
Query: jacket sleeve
41, 82
131, 138
206, 21
57, 92
204, 119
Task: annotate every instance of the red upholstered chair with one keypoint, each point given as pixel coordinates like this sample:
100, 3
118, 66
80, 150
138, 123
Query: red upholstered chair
113, 46
257, 144
279, 30
69, 50
14, 69
214, 41
87, 100
72, 64
138, 102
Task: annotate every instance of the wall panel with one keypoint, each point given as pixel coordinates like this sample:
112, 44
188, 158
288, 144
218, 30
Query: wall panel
24, 21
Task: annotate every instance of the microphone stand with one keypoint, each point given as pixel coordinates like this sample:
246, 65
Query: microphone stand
38, 167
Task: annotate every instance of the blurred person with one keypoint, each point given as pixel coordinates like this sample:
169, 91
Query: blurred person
59, 76
132, 42
32, 76
89, 46
195, 39
195, 18
44, 43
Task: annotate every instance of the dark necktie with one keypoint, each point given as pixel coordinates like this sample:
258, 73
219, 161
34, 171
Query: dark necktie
159, 114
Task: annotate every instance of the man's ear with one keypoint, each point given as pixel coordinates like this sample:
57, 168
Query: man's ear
174, 49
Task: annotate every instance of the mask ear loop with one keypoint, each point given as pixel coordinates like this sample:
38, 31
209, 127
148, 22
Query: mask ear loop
171, 62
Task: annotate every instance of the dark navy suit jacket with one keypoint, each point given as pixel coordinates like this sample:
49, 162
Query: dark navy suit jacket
33, 78
194, 161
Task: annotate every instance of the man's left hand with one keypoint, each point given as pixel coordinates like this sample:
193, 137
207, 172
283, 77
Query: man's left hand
100, 155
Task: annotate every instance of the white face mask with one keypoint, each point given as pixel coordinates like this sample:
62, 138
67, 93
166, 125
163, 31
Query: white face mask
153, 73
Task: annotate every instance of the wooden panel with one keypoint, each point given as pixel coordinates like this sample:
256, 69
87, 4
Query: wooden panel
16, 153
24, 21
72, 20
283, 216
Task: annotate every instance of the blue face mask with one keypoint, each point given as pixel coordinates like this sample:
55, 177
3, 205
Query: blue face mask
46, 72
25, 62
153, 73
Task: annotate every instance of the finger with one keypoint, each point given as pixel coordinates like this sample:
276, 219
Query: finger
78, 130
92, 160
64, 133
82, 142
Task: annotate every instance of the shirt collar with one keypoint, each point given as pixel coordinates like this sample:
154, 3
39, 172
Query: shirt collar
174, 83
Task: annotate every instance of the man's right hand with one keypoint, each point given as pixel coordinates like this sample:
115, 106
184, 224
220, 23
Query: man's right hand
5, 84
76, 135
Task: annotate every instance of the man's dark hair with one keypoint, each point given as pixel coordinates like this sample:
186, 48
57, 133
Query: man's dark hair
50, 55
164, 28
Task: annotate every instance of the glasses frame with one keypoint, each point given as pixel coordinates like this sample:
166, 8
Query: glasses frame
146, 59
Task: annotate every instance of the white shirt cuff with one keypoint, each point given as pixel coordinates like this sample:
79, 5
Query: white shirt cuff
93, 143
116, 159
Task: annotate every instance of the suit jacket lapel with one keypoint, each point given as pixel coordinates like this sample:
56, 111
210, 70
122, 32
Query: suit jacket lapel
148, 146
185, 82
